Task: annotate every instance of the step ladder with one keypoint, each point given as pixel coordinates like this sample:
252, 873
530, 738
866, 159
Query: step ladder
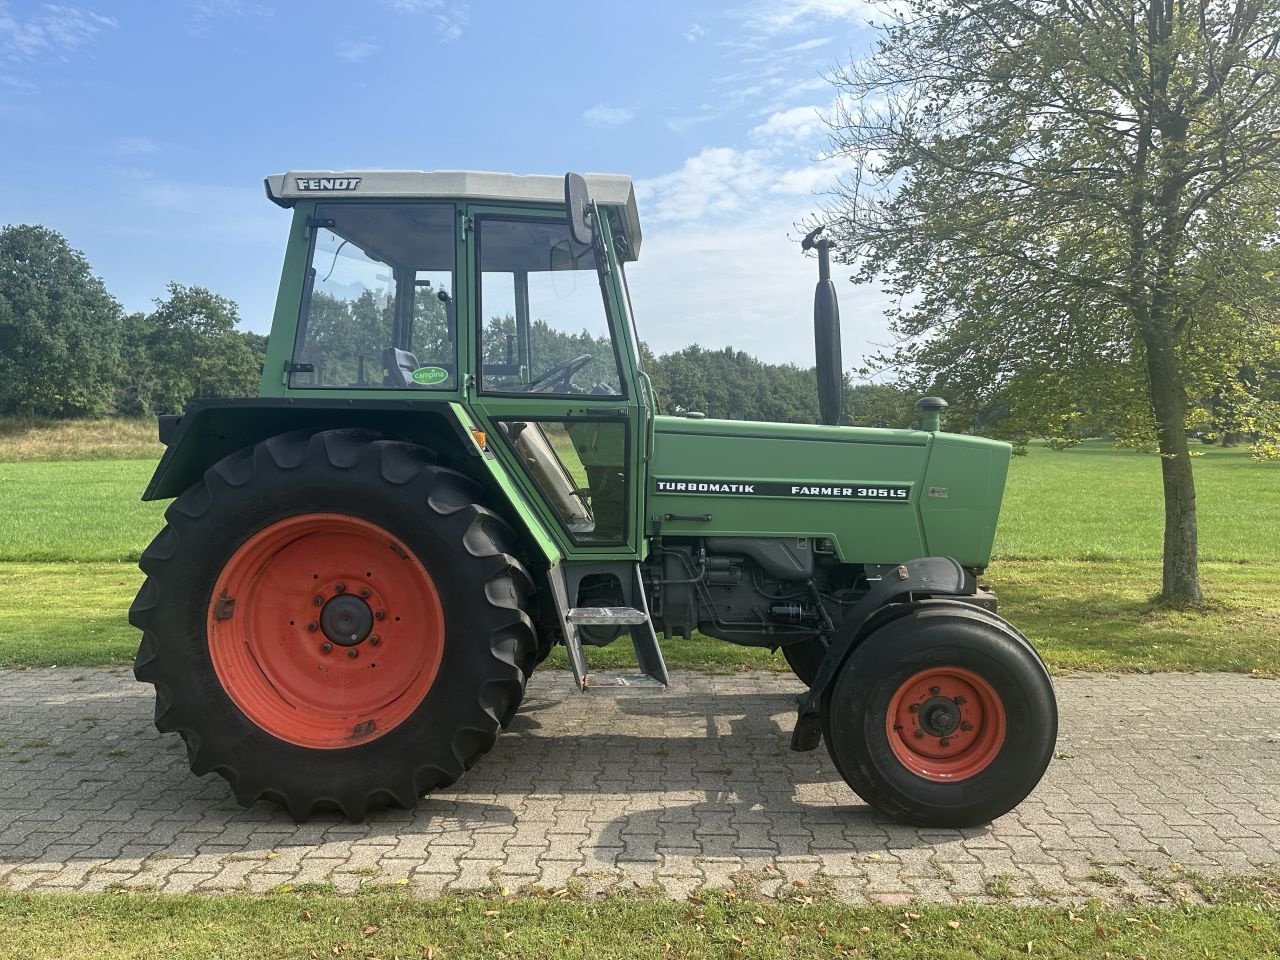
653, 669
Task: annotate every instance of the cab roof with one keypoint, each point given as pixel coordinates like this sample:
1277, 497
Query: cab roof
611, 191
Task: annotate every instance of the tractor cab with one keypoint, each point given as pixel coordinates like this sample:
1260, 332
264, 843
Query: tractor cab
473, 288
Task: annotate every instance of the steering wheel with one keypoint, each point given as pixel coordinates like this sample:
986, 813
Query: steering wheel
561, 373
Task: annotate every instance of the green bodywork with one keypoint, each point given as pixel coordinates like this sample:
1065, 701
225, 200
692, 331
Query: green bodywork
953, 484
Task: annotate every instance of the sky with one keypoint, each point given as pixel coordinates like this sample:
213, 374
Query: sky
141, 131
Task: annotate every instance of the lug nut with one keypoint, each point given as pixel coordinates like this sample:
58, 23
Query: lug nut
318, 601
945, 741
379, 614
915, 708
352, 654
326, 647
960, 701
934, 690
340, 587
364, 592
313, 626
966, 726
919, 734
374, 640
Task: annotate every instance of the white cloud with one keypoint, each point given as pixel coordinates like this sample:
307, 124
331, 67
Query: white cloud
721, 263
357, 50
602, 115
723, 181
796, 123
745, 283
205, 14
806, 45
451, 18
770, 17
453, 21
695, 32
413, 6
54, 31
17, 83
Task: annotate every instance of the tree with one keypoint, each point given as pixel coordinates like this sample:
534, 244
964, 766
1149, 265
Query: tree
879, 405
191, 348
1076, 200
59, 328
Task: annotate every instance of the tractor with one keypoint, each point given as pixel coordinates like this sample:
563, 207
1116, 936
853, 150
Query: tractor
456, 462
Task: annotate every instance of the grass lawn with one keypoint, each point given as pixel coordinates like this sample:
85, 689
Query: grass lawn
1077, 559
1241, 922
1094, 502
76, 511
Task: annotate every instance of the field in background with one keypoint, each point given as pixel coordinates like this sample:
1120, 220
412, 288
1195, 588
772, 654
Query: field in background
24, 438
1077, 556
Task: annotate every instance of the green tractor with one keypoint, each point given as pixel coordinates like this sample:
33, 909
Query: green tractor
456, 462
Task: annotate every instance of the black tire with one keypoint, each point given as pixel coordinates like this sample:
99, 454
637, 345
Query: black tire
805, 658
933, 635
489, 642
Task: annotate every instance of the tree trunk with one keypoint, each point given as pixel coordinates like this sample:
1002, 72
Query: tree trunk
1169, 403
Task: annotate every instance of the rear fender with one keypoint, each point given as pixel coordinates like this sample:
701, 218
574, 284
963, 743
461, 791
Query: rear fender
928, 576
212, 429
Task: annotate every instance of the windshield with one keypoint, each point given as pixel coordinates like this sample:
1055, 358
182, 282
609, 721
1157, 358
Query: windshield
544, 326
377, 310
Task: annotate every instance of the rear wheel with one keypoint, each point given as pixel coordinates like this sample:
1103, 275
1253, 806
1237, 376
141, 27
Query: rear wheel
942, 717
334, 622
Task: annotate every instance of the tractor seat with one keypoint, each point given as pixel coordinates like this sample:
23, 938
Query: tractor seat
398, 366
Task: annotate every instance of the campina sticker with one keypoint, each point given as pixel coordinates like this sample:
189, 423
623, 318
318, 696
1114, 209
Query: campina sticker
430, 376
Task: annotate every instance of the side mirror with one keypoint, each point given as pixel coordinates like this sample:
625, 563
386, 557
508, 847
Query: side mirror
578, 204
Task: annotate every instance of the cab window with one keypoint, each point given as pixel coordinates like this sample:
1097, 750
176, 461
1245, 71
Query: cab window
581, 468
377, 309
543, 324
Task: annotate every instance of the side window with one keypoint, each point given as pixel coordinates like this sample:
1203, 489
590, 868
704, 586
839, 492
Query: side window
543, 323
581, 468
377, 310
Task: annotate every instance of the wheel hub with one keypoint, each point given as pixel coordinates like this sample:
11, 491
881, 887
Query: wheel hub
346, 620
946, 724
939, 717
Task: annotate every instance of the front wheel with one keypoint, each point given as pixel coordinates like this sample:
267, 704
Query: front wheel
942, 717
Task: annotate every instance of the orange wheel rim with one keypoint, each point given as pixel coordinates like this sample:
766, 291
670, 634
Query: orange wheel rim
946, 724
325, 631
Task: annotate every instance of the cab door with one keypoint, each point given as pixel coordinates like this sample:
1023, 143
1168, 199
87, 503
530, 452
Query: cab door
554, 380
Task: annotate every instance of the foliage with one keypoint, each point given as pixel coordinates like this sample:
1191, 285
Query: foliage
59, 327
548, 348
1078, 203
188, 347
347, 338
883, 405
69, 351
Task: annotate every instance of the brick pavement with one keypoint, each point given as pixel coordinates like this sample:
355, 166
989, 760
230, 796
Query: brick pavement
1157, 777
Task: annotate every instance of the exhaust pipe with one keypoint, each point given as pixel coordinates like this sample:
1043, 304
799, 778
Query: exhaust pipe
826, 333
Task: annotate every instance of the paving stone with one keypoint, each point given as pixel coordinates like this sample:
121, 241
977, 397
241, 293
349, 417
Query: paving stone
679, 790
